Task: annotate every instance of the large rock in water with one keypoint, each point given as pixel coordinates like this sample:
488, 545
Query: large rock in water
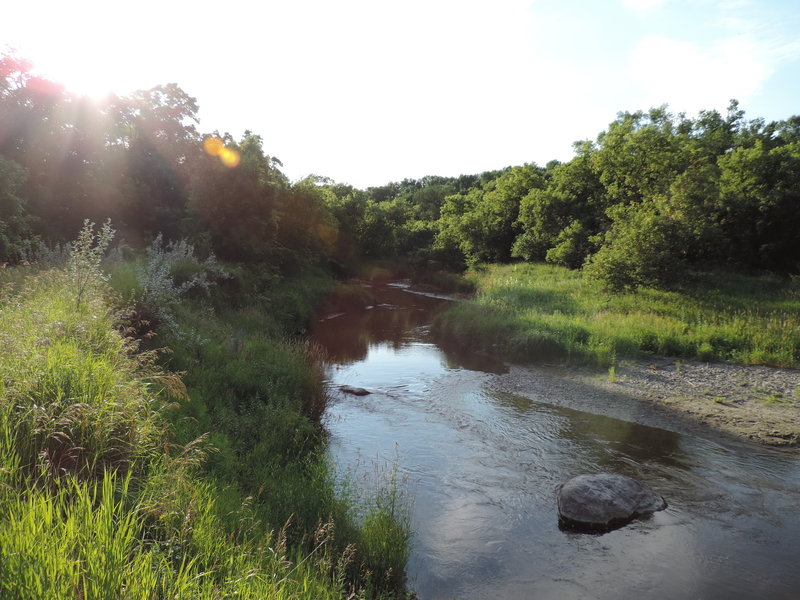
604, 501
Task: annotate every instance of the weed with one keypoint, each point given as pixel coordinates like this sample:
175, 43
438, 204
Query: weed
776, 398
85, 255
170, 272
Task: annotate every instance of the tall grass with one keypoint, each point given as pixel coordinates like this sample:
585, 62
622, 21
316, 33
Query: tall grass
74, 396
109, 485
259, 391
89, 540
532, 312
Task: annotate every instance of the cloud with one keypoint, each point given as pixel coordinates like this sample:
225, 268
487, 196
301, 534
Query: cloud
690, 77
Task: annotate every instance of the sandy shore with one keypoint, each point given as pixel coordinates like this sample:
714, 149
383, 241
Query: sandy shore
740, 402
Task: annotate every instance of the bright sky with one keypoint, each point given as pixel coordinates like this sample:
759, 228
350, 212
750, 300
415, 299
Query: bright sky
371, 91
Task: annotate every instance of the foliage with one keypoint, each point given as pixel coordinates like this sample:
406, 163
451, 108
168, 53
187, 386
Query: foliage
97, 496
168, 273
760, 196
260, 393
644, 246
238, 205
482, 223
85, 255
535, 312
15, 222
73, 396
725, 184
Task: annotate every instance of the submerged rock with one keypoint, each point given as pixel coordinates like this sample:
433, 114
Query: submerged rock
355, 391
604, 501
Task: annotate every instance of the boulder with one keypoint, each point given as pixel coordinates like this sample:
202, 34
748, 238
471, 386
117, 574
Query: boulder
355, 391
604, 501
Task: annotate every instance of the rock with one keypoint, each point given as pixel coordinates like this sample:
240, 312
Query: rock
355, 391
604, 501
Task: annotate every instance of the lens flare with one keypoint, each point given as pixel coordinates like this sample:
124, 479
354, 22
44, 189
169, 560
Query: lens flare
230, 158
216, 147
213, 145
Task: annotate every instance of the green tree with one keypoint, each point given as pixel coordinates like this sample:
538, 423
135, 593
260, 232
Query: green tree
238, 204
760, 205
644, 246
640, 154
558, 221
483, 223
15, 231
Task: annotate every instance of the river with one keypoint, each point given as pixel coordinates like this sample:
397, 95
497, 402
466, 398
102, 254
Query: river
482, 468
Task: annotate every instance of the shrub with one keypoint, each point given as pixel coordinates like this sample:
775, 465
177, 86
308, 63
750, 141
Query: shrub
643, 247
170, 272
85, 256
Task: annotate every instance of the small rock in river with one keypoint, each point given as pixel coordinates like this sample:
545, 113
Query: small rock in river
604, 501
356, 391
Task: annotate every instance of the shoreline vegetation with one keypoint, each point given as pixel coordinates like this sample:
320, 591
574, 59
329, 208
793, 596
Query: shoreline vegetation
724, 350
177, 455
534, 312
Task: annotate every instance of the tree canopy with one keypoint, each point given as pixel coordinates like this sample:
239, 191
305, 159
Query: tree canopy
652, 197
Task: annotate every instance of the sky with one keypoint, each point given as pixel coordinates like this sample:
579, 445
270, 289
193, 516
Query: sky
370, 91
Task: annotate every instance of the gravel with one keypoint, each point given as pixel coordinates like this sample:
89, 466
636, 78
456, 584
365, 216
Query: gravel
742, 402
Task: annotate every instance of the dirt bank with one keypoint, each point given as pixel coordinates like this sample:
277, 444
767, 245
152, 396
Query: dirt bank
752, 402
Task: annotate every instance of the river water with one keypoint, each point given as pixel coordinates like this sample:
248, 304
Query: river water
482, 468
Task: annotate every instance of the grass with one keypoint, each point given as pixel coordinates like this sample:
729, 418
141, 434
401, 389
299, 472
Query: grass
534, 312
117, 483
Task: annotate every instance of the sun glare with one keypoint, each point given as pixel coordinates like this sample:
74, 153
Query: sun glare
74, 80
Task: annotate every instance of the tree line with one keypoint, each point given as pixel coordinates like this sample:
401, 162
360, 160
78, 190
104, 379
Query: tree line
653, 197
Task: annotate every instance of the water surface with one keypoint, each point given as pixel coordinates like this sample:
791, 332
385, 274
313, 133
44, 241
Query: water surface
482, 467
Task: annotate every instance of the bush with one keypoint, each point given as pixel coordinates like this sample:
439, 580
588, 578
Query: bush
642, 248
171, 272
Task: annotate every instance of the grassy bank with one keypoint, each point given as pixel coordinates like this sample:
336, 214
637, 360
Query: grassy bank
258, 388
119, 479
534, 313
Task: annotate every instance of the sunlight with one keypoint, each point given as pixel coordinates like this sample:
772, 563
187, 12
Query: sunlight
95, 78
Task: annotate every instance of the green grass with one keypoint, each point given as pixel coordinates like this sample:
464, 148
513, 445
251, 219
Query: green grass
533, 312
116, 484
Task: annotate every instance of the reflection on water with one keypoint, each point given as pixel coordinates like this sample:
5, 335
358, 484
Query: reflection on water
483, 466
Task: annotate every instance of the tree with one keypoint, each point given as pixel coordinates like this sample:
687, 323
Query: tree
238, 204
484, 222
644, 246
558, 221
15, 233
760, 205
640, 155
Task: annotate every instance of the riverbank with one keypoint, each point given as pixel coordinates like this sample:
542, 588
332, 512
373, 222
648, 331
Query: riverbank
756, 403
721, 355
542, 313
197, 471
